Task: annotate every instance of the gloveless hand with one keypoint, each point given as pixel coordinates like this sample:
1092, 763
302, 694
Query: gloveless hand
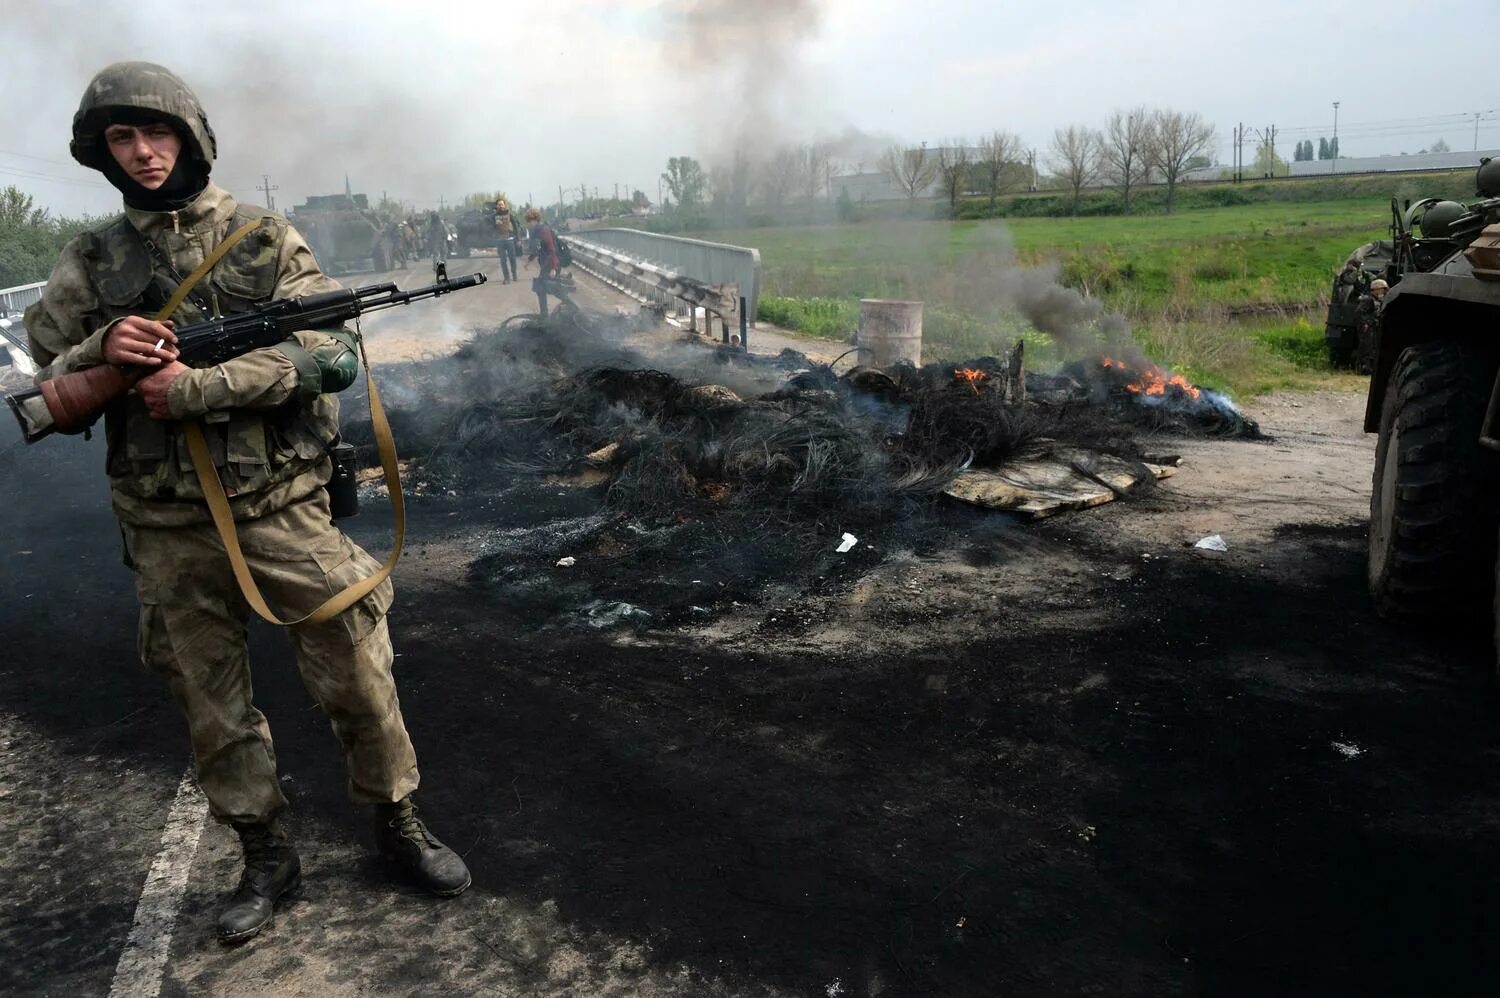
153, 388
134, 339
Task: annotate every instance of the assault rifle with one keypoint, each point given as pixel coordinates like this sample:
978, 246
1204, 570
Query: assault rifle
71, 402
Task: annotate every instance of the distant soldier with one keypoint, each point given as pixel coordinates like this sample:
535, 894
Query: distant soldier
1367, 325
437, 236
396, 245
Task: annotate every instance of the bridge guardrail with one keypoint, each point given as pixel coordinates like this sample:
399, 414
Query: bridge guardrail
17, 299
698, 259
651, 282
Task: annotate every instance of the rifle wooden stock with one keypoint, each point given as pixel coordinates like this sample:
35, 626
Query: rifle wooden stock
76, 399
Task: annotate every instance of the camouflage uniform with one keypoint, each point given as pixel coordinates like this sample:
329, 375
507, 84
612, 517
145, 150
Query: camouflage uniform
269, 426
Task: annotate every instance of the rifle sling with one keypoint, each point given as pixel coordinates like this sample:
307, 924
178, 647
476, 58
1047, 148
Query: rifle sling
218, 502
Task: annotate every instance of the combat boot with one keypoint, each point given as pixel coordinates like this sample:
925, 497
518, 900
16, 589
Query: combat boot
272, 870
403, 839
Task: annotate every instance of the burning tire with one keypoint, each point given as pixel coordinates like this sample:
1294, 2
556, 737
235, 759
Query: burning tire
1433, 519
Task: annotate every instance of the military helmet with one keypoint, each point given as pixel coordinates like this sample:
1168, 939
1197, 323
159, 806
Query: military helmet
1487, 178
1438, 220
142, 87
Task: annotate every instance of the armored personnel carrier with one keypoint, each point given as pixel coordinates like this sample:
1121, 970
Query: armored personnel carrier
343, 232
1434, 400
476, 230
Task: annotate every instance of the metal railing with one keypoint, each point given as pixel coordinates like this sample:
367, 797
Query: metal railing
655, 284
698, 259
17, 299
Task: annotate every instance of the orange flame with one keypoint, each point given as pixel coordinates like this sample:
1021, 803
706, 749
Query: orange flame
970, 376
1152, 381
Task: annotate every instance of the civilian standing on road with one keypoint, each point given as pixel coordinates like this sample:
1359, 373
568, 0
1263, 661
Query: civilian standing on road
507, 233
270, 420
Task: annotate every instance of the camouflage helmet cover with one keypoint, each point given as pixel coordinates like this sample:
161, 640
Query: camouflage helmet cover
139, 86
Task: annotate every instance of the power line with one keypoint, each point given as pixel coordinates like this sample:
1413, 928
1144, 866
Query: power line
50, 178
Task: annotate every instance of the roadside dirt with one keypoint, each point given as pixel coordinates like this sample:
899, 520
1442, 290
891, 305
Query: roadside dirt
1068, 757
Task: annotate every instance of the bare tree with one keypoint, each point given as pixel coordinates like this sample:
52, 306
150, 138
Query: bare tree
779, 176
1176, 137
953, 158
1074, 157
912, 170
1127, 140
817, 170
997, 152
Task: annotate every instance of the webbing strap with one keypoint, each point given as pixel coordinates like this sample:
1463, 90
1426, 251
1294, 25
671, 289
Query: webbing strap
218, 502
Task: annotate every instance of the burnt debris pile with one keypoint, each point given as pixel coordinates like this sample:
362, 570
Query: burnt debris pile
696, 474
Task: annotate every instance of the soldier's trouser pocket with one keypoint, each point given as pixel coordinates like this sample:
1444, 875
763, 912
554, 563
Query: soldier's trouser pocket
192, 633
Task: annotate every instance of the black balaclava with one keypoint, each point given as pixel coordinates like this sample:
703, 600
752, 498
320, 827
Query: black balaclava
186, 181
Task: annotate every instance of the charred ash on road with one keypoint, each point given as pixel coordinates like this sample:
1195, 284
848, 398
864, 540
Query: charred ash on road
644, 483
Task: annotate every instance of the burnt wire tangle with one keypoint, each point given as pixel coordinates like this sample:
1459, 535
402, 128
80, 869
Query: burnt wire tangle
710, 472
695, 428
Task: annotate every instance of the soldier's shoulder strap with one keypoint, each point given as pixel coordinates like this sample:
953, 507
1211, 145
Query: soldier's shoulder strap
218, 502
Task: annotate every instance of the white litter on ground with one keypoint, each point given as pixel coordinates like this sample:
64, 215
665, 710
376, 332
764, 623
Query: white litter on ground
1348, 750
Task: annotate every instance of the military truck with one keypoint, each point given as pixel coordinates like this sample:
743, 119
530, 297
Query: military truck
1435, 402
344, 233
1342, 327
476, 230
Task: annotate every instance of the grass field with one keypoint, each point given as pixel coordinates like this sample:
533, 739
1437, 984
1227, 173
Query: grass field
1229, 295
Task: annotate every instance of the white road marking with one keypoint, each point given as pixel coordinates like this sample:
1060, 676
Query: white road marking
144, 958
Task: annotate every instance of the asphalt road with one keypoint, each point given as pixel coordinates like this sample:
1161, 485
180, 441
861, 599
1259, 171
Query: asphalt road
1069, 758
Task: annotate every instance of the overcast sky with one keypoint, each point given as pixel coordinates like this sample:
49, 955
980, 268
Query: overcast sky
429, 100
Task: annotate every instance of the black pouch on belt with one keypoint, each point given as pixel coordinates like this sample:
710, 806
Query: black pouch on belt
343, 492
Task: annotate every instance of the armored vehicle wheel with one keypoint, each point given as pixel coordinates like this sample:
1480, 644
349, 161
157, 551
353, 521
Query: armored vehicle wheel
1433, 522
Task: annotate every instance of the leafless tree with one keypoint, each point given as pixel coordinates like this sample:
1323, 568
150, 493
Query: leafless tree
912, 170
817, 170
997, 152
1127, 140
1176, 137
953, 157
1074, 157
780, 176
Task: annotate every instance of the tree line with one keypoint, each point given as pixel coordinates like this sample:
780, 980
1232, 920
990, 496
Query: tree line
1136, 146
31, 238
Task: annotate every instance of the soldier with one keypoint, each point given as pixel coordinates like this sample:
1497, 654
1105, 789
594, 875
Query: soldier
1367, 325
437, 236
270, 425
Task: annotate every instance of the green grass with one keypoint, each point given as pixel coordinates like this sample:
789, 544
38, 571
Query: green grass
1253, 255
1231, 296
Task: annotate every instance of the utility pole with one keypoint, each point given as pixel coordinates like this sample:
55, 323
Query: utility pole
1476, 130
1031, 157
268, 187
1334, 152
